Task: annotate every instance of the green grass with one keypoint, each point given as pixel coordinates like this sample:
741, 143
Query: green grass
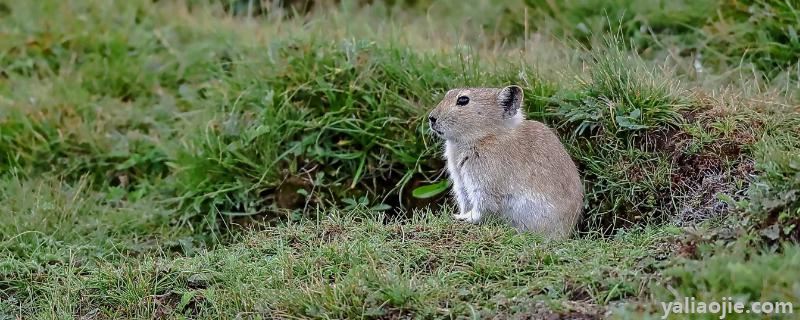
184, 159
344, 266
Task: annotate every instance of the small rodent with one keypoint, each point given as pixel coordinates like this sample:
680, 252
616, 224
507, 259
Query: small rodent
499, 163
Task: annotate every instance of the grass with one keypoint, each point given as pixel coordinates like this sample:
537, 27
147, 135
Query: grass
344, 266
213, 159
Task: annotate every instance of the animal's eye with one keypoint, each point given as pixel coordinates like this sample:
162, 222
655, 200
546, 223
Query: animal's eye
462, 101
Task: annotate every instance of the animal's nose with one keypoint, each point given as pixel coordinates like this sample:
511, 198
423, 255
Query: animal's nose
432, 119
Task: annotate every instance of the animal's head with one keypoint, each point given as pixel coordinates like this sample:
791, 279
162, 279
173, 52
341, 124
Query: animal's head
468, 114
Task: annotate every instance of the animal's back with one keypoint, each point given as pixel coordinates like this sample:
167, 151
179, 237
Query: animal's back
542, 174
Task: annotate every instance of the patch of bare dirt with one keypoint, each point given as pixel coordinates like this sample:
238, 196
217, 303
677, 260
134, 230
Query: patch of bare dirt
333, 232
168, 304
287, 196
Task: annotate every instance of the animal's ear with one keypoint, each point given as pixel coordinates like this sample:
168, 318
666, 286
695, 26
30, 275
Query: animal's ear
510, 98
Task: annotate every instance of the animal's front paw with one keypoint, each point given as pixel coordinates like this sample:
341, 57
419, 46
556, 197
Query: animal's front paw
460, 216
471, 216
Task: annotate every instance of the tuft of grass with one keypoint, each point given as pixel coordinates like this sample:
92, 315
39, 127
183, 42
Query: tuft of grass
623, 94
59, 127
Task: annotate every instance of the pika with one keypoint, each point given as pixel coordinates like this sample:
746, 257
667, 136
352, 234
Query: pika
502, 164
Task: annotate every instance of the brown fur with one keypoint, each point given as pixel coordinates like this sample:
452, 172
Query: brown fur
502, 164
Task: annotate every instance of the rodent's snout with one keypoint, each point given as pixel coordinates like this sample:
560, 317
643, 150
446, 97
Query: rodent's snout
433, 124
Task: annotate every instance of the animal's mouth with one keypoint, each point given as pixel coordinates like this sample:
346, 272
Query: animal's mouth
435, 127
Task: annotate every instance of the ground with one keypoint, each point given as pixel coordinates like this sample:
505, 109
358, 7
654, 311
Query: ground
241, 159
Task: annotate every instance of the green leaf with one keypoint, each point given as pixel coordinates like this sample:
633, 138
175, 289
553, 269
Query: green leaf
380, 207
186, 297
635, 114
431, 190
727, 199
625, 123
